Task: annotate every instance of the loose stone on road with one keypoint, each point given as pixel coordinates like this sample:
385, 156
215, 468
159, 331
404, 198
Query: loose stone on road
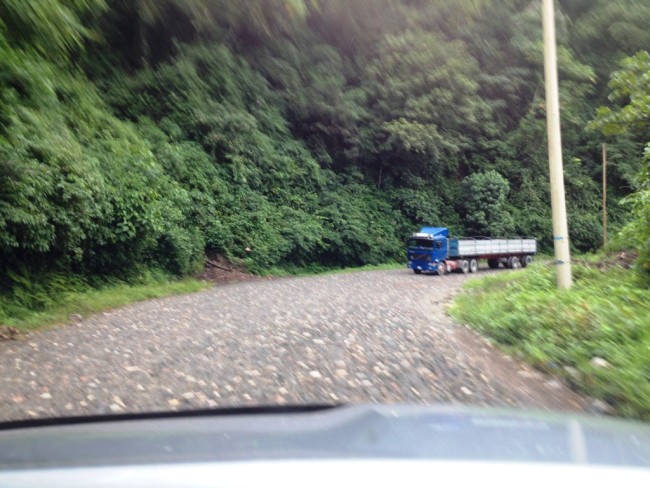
372, 336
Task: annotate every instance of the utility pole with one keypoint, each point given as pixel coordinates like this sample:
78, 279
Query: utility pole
558, 204
604, 195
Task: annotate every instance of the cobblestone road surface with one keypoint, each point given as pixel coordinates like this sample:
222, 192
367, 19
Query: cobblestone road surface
374, 336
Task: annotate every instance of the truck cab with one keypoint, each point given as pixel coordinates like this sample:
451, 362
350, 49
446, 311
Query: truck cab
427, 249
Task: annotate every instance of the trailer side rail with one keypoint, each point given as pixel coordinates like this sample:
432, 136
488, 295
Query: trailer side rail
472, 247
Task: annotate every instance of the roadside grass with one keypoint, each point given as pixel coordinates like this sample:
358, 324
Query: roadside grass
35, 302
605, 315
38, 302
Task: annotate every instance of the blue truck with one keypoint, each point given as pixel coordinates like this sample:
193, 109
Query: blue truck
432, 250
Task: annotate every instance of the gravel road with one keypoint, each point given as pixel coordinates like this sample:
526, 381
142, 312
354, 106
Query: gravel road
373, 336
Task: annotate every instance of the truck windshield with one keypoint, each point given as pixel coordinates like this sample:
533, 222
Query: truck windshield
428, 243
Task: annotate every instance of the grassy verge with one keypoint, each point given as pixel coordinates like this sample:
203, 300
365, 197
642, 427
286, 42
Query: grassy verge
605, 315
40, 301
36, 303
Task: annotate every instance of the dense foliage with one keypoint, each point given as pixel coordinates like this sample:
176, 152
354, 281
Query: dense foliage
630, 93
142, 133
569, 333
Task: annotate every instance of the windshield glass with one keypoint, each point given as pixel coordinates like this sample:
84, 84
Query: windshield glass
425, 243
209, 204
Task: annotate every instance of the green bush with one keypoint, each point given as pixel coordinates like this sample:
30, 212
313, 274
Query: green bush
485, 205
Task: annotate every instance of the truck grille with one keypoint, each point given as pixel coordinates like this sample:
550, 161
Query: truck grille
420, 257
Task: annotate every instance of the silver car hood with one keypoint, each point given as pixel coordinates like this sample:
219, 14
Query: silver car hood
252, 447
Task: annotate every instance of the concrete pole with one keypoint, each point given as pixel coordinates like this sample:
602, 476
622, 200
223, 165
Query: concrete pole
558, 205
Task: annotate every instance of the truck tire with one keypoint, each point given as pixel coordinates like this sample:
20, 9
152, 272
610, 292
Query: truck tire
464, 266
513, 262
473, 266
417, 271
493, 263
442, 269
526, 260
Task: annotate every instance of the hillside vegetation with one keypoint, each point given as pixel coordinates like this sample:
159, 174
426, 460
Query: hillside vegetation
141, 134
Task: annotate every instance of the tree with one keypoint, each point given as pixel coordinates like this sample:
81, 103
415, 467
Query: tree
630, 95
52, 28
425, 111
486, 212
630, 92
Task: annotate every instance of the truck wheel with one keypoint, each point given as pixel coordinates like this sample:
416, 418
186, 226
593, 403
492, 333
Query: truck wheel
417, 271
473, 266
493, 263
464, 266
513, 262
526, 260
442, 269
